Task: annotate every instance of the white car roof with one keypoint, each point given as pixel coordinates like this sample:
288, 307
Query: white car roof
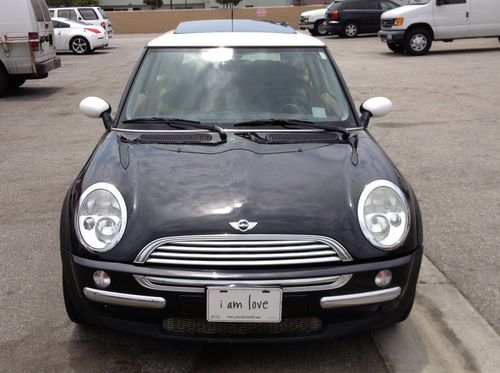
239, 33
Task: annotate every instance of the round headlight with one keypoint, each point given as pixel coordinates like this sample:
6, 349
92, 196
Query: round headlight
101, 217
383, 214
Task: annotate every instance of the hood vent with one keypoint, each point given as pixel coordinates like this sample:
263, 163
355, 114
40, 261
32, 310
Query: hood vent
177, 138
301, 138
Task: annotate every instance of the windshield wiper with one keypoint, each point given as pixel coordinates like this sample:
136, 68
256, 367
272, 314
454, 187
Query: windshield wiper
284, 122
173, 122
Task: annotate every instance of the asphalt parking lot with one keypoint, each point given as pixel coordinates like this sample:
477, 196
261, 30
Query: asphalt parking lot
443, 135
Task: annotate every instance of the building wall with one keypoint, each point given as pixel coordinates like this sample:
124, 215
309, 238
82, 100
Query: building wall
156, 21
138, 4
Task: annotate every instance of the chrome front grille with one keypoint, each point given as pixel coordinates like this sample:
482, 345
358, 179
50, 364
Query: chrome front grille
386, 24
246, 250
197, 326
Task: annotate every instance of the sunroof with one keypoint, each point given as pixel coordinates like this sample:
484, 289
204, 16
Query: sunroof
237, 25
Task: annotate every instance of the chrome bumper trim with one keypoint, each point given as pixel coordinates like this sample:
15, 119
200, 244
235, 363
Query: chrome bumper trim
360, 299
122, 299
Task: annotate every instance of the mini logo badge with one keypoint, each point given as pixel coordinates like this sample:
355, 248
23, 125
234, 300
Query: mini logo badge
243, 225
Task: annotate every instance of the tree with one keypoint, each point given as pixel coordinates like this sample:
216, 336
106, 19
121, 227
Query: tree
154, 3
228, 3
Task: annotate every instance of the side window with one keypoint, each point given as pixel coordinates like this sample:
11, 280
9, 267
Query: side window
387, 5
370, 5
63, 13
64, 25
88, 14
55, 24
451, 2
51, 11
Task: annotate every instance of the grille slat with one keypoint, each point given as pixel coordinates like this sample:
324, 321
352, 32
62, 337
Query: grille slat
244, 250
249, 263
241, 256
289, 285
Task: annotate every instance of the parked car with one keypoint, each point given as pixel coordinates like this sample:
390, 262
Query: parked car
414, 27
78, 37
88, 14
238, 196
353, 17
26, 43
313, 21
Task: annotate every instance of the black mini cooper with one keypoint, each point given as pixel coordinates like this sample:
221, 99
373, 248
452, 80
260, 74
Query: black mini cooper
237, 196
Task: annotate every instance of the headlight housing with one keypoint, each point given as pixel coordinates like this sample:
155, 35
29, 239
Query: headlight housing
100, 218
383, 214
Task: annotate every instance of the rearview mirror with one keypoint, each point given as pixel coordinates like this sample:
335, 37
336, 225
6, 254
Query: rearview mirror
95, 107
374, 107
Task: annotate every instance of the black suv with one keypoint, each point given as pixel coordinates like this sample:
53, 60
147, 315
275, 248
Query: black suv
353, 17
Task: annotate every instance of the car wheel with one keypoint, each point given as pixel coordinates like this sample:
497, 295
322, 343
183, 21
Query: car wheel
4, 80
15, 83
350, 30
395, 47
319, 28
70, 308
79, 45
417, 42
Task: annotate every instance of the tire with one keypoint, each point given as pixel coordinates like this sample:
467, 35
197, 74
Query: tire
350, 30
319, 28
396, 48
70, 308
417, 42
15, 83
4, 80
79, 45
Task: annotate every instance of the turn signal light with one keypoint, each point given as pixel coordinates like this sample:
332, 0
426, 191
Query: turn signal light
399, 21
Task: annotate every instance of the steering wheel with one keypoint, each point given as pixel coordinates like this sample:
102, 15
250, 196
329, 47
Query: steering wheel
282, 97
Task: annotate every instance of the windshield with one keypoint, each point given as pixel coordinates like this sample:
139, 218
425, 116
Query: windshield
230, 85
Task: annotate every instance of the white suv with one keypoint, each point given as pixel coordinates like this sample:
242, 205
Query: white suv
89, 14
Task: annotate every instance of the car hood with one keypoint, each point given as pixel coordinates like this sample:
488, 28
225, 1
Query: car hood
313, 12
173, 190
401, 11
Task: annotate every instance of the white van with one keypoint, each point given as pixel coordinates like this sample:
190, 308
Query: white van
412, 28
93, 15
27, 48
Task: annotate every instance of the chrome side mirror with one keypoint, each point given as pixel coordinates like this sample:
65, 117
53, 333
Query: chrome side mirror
374, 107
95, 107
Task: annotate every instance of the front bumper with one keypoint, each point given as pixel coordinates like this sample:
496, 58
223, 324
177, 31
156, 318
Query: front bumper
333, 27
127, 305
306, 25
391, 36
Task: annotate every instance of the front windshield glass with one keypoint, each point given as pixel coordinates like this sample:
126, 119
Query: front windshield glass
230, 85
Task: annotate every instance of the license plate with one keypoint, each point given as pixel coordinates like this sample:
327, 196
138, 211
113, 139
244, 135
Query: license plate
253, 305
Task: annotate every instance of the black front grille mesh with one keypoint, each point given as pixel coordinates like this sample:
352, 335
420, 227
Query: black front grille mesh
176, 138
200, 326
